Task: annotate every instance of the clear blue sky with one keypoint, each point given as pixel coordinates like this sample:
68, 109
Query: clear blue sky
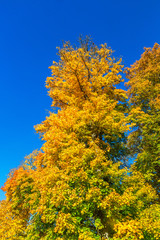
30, 31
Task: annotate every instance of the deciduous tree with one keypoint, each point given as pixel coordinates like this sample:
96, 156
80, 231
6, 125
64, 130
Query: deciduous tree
144, 92
77, 187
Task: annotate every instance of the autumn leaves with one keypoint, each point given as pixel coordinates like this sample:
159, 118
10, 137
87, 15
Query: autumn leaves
78, 186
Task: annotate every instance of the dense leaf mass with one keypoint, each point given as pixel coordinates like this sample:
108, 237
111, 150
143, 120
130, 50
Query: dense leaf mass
79, 185
144, 92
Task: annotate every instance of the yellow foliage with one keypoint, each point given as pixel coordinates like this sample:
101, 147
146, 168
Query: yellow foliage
76, 187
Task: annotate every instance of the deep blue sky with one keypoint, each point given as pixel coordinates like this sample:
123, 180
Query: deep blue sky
30, 31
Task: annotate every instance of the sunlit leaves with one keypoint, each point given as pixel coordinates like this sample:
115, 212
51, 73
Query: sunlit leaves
144, 91
77, 187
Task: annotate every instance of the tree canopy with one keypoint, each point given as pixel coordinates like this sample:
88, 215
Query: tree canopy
79, 185
144, 92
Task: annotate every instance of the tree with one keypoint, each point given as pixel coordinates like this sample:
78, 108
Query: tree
77, 187
144, 92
